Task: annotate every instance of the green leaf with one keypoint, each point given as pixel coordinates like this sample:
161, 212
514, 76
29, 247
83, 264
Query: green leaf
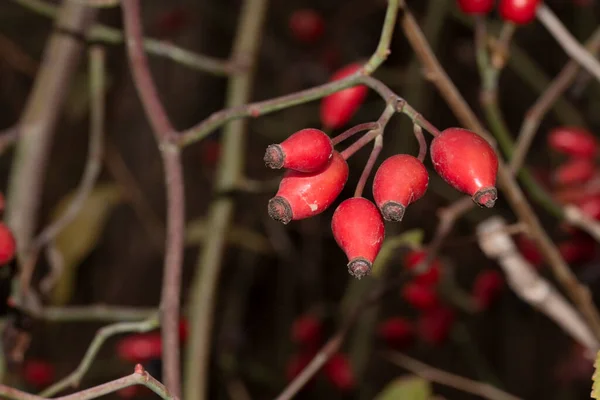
412, 239
79, 238
242, 237
406, 388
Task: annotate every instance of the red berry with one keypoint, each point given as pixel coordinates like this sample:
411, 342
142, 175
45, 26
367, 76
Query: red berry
468, 163
210, 152
38, 373
339, 107
129, 392
432, 276
487, 287
296, 364
400, 180
590, 206
396, 332
306, 330
573, 172
339, 372
307, 26
435, 325
308, 150
518, 11
358, 229
7, 244
141, 347
578, 250
303, 195
476, 7
420, 296
573, 141
529, 250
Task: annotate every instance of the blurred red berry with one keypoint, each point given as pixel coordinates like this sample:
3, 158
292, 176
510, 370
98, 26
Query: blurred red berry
307, 25
141, 347
529, 250
435, 325
475, 7
306, 331
210, 152
7, 244
590, 206
38, 373
338, 108
579, 250
339, 372
184, 330
573, 141
358, 229
432, 276
574, 172
129, 392
487, 287
518, 11
296, 364
396, 332
420, 296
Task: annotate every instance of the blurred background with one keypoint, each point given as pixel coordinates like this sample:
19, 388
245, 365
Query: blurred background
275, 275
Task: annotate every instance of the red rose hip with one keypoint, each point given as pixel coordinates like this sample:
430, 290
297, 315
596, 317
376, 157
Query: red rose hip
38, 373
339, 372
339, 107
573, 141
359, 231
468, 163
7, 244
400, 180
573, 172
476, 7
432, 275
307, 150
141, 347
303, 195
518, 11
487, 287
420, 296
307, 25
435, 325
306, 330
396, 332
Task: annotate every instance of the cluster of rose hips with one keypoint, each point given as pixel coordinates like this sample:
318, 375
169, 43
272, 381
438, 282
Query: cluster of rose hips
306, 333
435, 319
317, 174
575, 180
515, 11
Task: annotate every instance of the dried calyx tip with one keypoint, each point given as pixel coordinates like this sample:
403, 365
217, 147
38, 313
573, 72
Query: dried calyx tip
280, 209
486, 197
359, 267
274, 156
393, 211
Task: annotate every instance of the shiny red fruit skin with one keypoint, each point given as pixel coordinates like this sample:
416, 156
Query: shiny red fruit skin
396, 332
518, 11
421, 296
578, 250
435, 325
38, 373
308, 150
432, 276
574, 172
487, 287
7, 244
467, 162
590, 206
307, 25
141, 347
339, 372
573, 141
338, 108
304, 195
399, 181
306, 331
359, 231
476, 7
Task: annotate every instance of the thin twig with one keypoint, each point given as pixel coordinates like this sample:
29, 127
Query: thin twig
377, 146
418, 131
571, 46
545, 101
367, 126
433, 374
173, 173
229, 171
108, 35
579, 293
103, 334
92, 313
